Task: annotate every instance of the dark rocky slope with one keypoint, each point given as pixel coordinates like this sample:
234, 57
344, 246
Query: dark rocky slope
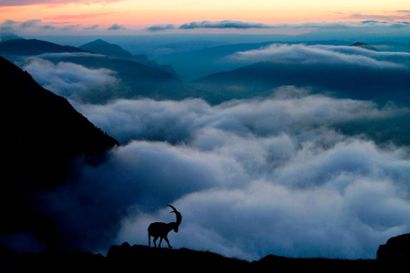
41, 136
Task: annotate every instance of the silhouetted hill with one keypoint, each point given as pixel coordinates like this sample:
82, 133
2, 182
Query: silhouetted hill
126, 258
352, 81
33, 47
103, 47
41, 136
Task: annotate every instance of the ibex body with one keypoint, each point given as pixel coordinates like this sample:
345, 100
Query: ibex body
161, 230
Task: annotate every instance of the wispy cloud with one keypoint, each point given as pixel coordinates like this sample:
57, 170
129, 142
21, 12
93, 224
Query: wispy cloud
93, 27
223, 25
160, 27
115, 27
400, 15
34, 26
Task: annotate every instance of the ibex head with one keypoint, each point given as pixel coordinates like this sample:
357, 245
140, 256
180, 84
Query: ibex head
178, 217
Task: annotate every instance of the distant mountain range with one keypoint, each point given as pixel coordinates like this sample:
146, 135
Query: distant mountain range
138, 76
351, 81
42, 135
105, 48
33, 47
197, 63
141, 77
194, 64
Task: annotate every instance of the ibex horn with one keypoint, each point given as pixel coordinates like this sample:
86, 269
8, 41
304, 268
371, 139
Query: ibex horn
177, 214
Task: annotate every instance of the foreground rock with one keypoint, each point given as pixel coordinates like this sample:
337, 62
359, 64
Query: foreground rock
397, 249
137, 258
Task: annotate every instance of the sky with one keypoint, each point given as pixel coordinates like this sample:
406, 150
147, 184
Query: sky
121, 14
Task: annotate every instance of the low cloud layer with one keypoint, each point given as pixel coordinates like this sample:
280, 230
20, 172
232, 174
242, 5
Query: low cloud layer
251, 177
73, 81
127, 120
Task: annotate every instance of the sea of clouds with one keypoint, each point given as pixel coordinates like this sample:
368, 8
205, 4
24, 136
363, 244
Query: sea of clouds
250, 177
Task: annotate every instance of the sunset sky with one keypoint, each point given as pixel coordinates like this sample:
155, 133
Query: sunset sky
142, 13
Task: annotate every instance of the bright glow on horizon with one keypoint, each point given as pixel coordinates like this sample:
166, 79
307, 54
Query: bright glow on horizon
137, 13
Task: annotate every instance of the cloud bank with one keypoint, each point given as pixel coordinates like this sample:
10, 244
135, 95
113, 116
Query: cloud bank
251, 177
350, 55
73, 81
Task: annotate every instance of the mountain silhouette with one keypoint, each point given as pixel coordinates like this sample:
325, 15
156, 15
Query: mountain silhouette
42, 135
28, 47
112, 50
103, 47
364, 45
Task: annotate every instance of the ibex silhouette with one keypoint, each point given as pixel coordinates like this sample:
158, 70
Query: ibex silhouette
161, 230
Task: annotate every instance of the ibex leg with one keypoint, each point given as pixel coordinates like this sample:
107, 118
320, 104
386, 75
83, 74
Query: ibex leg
166, 239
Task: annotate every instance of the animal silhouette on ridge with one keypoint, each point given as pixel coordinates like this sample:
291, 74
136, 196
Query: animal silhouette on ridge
161, 230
